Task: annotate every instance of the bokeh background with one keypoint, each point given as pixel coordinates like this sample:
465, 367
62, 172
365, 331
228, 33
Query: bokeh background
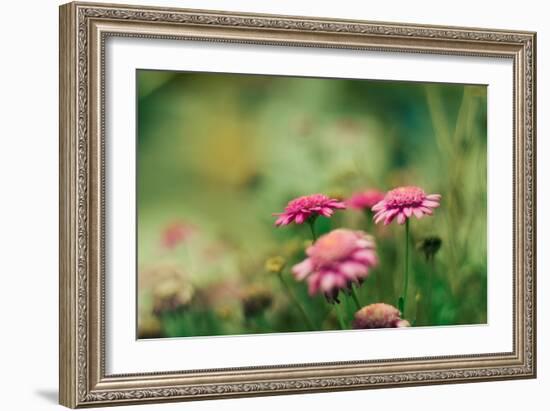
219, 153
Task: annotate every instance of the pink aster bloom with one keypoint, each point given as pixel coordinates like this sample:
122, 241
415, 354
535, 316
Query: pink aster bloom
379, 315
336, 261
364, 199
402, 202
302, 208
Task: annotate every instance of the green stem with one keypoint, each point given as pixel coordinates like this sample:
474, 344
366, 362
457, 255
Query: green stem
368, 219
311, 223
296, 302
430, 289
355, 298
406, 282
340, 316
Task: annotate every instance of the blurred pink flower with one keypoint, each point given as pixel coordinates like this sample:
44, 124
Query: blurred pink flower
176, 233
336, 261
403, 202
302, 208
379, 315
364, 199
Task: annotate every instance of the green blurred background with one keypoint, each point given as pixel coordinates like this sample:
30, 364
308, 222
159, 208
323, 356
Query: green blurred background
219, 153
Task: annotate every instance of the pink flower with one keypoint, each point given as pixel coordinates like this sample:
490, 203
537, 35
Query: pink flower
176, 233
403, 202
302, 208
336, 261
379, 315
364, 199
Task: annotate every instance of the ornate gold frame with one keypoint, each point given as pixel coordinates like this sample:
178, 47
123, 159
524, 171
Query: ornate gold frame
83, 30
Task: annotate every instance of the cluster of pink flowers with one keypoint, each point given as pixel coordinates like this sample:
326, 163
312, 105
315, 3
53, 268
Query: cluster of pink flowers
343, 257
336, 261
398, 204
303, 208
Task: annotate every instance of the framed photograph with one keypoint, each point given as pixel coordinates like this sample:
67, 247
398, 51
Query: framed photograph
261, 205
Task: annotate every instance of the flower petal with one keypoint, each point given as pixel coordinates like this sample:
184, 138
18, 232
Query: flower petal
402, 324
303, 269
300, 218
313, 284
380, 216
352, 270
366, 257
426, 210
284, 219
418, 213
390, 215
328, 282
430, 203
401, 218
336, 204
379, 206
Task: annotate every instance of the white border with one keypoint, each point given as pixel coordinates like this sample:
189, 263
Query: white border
126, 355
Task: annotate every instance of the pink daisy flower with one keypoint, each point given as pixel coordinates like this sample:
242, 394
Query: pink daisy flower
379, 315
302, 208
364, 199
336, 261
402, 202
